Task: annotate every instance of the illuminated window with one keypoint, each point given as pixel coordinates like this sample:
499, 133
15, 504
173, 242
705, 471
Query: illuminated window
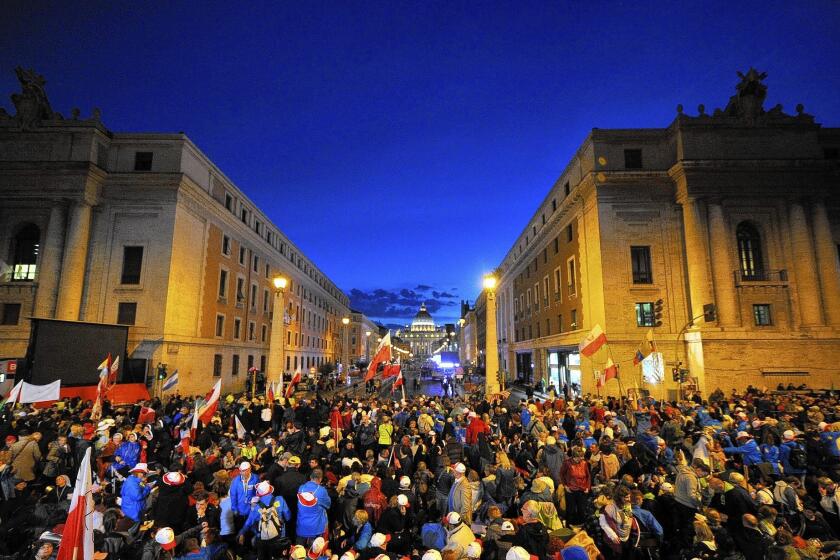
645, 315
749, 252
640, 259
27, 247
762, 315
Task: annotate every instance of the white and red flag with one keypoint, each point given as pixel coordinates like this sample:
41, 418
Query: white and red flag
269, 391
593, 341
291, 388
391, 370
211, 403
382, 354
77, 536
398, 382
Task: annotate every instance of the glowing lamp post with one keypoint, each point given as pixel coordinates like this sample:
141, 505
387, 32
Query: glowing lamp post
345, 345
491, 361
278, 323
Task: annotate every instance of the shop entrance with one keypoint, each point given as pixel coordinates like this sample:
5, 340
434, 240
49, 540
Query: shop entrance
564, 372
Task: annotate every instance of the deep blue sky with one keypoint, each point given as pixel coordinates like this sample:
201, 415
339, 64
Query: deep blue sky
407, 143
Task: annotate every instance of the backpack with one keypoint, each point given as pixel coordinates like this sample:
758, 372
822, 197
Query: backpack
433, 536
798, 458
269, 526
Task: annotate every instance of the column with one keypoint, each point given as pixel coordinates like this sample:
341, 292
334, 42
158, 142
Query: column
807, 282
827, 266
539, 365
73, 263
697, 254
50, 266
723, 268
491, 351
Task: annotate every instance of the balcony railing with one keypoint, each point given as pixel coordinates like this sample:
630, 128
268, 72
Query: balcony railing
761, 278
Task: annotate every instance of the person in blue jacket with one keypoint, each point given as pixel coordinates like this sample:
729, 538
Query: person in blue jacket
242, 488
789, 443
134, 493
127, 454
265, 498
313, 504
747, 448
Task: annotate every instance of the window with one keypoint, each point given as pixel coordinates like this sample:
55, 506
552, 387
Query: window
132, 265
223, 276
574, 324
761, 314
229, 202
288, 363
536, 296
240, 290
143, 161
553, 204
548, 327
217, 365
633, 159
570, 234
252, 330
265, 301
556, 245
11, 314
567, 189
262, 363
256, 263
27, 245
558, 283
250, 361
225, 245
237, 328
644, 314
545, 255
242, 255
263, 333
234, 365
243, 215
126, 313
749, 252
253, 296
545, 291
640, 260
220, 325
560, 323
267, 270
570, 269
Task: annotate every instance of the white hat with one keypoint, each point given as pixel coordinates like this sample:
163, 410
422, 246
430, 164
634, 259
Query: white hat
378, 539
402, 500
742, 435
174, 478
141, 467
324, 432
264, 488
757, 423
244, 466
105, 424
431, 555
460, 468
822, 426
405, 482
508, 526
517, 553
165, 537
318, 546
473, 550
666, 487
472, 414
788, 435
453, 518
349, 555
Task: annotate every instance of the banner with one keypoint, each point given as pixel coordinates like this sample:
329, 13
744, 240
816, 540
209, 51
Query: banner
40, 393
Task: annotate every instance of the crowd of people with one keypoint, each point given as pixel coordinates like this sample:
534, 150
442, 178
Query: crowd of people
751, 475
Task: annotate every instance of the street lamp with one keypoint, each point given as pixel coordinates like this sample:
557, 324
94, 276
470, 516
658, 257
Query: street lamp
278, 322
367, 346
491, 362
345, 345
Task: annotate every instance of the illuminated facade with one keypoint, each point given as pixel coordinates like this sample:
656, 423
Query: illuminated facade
423, 336
738, 208
144, 230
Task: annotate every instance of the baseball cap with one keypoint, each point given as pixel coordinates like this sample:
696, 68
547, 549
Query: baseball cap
378, 539
294, 461
174, 478
453, 518
459, 467
244, 466
264, 488
165, 537
349, 555
517, 553
431, 555
402, 500
473, 550
508, 526
742, 435
318, 546
141, 467
405, 482
788, 435
666, 487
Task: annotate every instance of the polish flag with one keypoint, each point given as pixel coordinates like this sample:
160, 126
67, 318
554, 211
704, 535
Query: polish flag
269, 391
146, 416
210, 404
391, 370
113, 370
398, 381
593, 341
383, 354
77, 537
291, 388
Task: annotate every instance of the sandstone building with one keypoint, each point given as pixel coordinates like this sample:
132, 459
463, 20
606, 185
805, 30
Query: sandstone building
144, 230
739, 208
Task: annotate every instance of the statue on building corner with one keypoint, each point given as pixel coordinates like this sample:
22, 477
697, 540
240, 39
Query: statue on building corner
31, 103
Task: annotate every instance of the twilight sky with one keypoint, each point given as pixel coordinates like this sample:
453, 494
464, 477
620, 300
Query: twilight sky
404, 145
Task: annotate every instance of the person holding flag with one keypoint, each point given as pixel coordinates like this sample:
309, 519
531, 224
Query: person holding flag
77, 536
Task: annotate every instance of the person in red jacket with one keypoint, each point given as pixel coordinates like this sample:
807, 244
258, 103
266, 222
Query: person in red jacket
475, 427
375, 501
575, 476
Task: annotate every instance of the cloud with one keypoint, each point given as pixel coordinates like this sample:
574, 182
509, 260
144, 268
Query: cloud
423, 288
400, 304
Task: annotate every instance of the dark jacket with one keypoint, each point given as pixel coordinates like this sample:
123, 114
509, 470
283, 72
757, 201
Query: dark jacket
533, 537
171, 507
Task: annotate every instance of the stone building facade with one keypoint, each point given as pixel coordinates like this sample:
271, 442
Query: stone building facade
738, 208
422, 336
144, 230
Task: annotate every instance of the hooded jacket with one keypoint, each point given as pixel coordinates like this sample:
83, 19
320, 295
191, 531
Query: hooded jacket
553, 458
313, 504
171, 507
133, 498
375, 502
241, 492
687, 489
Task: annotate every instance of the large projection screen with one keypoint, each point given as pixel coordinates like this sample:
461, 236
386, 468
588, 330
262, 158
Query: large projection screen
71, 351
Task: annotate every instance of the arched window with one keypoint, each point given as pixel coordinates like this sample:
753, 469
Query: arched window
749, 252
26, 246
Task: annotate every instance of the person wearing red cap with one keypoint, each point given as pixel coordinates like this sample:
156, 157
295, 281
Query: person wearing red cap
171, 506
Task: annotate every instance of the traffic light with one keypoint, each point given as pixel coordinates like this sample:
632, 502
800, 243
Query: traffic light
161, 372
709, 313
657, 312
683, 375
675, 374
